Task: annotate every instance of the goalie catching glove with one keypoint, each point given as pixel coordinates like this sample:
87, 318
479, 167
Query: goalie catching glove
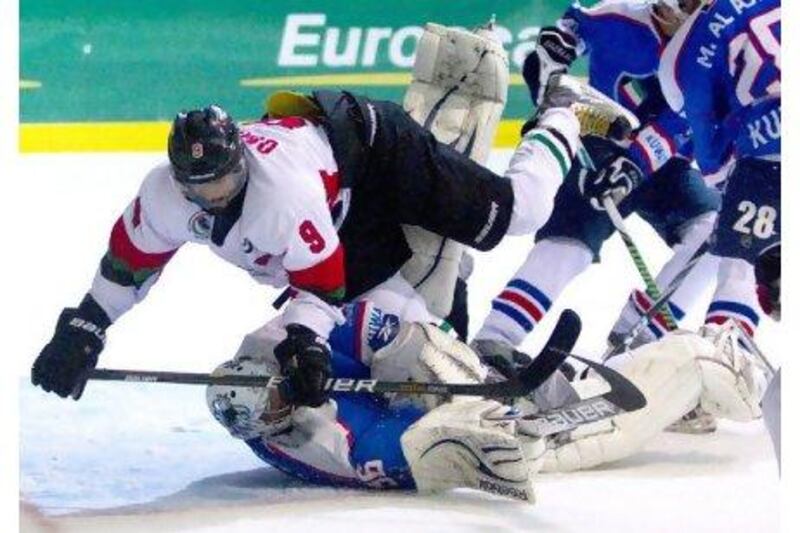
610, 173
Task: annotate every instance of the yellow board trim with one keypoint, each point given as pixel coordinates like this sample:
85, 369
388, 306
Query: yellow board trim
144, 136
93, 137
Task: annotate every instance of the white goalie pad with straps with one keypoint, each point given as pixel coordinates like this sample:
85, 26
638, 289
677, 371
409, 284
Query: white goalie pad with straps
458, 92
734, 381
423, 352
468, 444
667, 373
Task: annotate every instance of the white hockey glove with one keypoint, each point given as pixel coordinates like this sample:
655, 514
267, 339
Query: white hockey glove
555, 51
458, 92
616, 175
469, 444
733, 380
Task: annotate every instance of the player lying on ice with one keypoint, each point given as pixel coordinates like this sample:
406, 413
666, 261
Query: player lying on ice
427, 443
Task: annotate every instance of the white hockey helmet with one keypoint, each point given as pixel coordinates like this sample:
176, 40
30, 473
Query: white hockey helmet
248, 412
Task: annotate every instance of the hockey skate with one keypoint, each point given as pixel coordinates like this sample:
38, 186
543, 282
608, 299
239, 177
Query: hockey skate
598, 114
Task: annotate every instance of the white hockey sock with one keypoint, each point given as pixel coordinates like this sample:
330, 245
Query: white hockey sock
735, 296
528, 296
537, 168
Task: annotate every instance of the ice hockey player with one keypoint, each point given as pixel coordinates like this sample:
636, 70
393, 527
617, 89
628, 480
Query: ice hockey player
315, 199
671, 195
722, 71
414, 443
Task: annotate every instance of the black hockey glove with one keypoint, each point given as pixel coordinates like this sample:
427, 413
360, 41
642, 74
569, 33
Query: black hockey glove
555, 51
77, 342
616, 175
305, 359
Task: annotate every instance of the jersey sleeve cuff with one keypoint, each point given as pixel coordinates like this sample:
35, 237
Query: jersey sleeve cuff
312, 312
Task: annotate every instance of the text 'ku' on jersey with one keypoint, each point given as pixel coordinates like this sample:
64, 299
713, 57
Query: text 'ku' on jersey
606, 34
723, 71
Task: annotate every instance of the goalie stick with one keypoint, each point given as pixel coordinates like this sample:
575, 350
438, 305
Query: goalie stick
623, 397
554, 353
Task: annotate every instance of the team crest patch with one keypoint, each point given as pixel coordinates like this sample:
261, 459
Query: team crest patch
200, 225
197, 150
383, 328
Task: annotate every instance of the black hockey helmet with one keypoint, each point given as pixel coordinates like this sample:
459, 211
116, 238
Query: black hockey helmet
204, 145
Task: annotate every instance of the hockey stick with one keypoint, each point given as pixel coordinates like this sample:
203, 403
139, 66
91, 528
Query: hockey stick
554, 353
623, 397
753, 348
650, 284
673, 286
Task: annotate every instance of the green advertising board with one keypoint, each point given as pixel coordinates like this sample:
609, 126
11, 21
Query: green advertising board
109, 75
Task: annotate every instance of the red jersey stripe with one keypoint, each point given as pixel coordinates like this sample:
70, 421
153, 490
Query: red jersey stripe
325, 277
123, 249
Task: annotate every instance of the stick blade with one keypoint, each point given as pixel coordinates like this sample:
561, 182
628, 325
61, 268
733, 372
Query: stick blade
555, 351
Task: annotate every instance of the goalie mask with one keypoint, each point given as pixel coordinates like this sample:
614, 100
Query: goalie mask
248, 412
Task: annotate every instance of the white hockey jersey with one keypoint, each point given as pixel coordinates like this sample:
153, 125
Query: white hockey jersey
284, 232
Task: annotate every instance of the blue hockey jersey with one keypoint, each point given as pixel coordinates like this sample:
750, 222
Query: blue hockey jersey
722, 71
623, 45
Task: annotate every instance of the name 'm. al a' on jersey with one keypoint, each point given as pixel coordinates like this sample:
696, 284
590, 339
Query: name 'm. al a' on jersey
722, 69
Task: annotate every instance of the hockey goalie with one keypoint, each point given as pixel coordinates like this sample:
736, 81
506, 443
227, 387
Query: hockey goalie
428, 444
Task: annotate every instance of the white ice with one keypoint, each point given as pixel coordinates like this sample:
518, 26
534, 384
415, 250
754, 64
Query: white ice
149, 457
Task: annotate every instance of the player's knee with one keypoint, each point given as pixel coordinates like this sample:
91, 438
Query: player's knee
698, 229
532, 207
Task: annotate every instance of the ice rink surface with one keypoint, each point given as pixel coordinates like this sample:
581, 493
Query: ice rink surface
150, 458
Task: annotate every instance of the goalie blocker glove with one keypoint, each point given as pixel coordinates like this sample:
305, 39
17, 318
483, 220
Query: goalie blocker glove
63, 365
613, 174
305, 360
555, 51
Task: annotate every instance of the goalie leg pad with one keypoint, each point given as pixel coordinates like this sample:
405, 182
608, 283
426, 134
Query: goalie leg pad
468, 444
667, 374
733, 382
458, 92
422, 352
